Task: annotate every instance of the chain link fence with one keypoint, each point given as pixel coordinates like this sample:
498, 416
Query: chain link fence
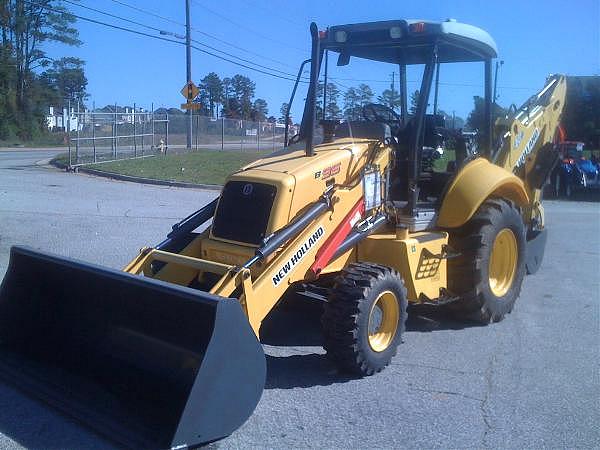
97, 137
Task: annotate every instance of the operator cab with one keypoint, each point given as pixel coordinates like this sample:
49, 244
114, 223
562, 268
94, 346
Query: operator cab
419, 138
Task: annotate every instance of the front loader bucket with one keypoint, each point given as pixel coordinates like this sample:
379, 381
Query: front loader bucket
147, 363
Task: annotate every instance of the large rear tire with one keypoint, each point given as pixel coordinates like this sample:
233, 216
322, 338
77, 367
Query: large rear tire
489, 273
364, 318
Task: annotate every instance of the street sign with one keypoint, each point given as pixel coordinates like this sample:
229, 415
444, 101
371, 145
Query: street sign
190, 90
191, 106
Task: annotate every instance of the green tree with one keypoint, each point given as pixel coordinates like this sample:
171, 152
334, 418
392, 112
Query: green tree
282, 112
452, 121
212, 86
203, 98
67, 79
476, 119
365, 94
243, 90
352, 109
260, 110
332, 110
7, 94
414, 102
319, 105
390, 98
232, 109
25, 27
227, 94
226, 87
581, 116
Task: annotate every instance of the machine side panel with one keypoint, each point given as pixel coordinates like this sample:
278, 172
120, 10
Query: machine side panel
417, 259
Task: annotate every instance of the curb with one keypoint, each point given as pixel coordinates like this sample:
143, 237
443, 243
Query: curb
141, 180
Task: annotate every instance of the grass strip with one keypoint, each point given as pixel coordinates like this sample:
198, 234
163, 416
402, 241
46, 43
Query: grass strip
202, 166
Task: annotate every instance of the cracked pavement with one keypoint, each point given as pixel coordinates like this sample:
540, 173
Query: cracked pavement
530, 381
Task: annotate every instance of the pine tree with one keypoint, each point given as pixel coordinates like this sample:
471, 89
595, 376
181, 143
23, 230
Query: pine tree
365, 94
243, 89
414, 102
260, 110
332, 110
352, 108
283, 112
390, 98
212, 85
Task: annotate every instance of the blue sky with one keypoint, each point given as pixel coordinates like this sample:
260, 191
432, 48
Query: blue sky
534, 38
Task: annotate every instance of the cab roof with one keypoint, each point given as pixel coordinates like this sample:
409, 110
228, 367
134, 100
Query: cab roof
409, 41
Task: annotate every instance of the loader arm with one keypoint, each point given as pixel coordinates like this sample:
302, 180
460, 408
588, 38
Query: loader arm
279, 268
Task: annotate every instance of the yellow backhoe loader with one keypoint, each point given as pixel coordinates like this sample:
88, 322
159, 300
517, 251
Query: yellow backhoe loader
355, 213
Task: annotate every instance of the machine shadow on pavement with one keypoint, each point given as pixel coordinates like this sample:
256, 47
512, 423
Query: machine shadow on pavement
295, 327
434, 318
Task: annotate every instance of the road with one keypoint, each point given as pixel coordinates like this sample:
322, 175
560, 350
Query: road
531, 381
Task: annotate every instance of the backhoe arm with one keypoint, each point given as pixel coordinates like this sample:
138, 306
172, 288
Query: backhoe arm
530, 134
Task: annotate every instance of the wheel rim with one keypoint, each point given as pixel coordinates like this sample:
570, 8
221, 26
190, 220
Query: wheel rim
503, 262
383, 321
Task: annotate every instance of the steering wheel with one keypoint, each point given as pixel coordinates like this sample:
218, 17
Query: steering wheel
376, 112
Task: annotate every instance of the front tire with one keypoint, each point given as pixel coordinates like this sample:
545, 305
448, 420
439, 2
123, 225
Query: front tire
364, 318
489, 273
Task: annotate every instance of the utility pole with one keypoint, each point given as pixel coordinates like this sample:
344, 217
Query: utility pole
403, 93
392, 89
437, 86
325, 84
188, 66
498, 64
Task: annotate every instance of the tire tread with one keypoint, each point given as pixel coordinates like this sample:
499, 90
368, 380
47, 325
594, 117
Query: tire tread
343, 312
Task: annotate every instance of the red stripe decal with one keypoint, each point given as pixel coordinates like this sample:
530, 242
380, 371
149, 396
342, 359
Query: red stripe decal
333, 242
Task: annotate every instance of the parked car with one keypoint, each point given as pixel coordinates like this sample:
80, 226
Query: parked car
574, 172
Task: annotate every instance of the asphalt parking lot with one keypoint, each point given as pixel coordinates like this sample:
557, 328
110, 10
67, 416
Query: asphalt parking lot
531, 381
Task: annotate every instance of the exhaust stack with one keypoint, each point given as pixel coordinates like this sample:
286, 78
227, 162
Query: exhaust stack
312, 94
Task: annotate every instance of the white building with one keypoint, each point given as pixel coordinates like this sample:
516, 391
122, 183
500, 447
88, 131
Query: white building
65, 121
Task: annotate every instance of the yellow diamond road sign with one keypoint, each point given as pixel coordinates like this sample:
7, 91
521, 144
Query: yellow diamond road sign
190, 90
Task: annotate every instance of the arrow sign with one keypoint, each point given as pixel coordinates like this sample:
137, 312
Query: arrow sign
192, 106
190, 90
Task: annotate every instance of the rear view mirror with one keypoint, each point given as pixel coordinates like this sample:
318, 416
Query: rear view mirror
343, 59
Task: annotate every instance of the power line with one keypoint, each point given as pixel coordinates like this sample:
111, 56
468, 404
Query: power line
280, 62
247, 67
164, 32
283, 17
141, 33
268, 38
214, 48
99, 22
195, 30
143, 25
158, 16
244, 60
284, 75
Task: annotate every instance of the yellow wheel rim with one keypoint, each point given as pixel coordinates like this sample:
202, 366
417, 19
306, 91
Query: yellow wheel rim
503, 262
383, 321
